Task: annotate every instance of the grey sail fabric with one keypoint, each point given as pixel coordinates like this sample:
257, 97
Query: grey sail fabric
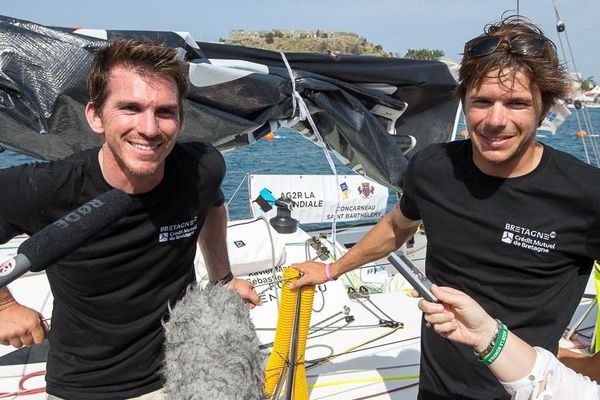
237, 95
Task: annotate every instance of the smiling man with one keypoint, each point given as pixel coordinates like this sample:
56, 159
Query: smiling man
512, 222
112, 294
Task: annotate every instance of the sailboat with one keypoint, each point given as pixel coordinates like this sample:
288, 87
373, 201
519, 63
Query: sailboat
372, 113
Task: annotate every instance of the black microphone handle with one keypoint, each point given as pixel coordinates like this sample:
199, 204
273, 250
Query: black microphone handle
63, 236
60, 238
13, 268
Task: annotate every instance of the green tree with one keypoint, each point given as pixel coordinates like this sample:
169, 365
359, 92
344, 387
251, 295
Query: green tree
424, 54
588, 83
269, 37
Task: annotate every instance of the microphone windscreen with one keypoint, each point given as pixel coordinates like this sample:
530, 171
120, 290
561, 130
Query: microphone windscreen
57, 240
211, 348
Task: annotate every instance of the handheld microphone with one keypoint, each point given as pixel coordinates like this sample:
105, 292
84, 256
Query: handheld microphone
55, 241
211, 347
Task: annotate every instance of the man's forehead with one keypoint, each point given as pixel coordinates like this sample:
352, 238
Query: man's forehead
511, 82
123, 77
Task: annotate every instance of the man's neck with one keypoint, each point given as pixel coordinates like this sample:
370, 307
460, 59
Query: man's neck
521, 165
119, 178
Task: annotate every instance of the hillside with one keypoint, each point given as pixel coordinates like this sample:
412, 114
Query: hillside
306, 41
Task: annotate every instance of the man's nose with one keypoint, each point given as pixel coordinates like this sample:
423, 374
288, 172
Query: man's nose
497, 116
148, 124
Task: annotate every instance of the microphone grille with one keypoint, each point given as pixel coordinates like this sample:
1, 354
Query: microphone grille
211, 348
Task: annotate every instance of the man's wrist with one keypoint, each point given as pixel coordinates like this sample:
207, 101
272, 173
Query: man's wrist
6, 303
329, 274
224, 280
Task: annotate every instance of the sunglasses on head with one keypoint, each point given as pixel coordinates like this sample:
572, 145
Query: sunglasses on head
520, 45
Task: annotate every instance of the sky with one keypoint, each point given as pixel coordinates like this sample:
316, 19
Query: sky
397, 25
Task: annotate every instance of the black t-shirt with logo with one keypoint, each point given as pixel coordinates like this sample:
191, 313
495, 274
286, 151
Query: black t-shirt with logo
523, 247
111, 294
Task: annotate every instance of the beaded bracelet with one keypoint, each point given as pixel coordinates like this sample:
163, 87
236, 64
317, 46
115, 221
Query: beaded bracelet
483, 353
491, 353
498, 347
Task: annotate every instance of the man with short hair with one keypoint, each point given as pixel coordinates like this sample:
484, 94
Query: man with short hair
512, 222
112, 294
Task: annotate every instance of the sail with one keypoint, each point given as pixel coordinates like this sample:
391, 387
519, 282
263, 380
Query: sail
372, 112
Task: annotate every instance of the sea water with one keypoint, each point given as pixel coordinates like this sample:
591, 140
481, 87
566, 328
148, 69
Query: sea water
290, 153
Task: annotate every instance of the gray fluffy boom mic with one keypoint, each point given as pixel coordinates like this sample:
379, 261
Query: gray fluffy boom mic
57, 240
211, 348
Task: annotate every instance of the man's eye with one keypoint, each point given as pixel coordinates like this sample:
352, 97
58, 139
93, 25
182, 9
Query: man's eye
519, 104
131, 108
167, 113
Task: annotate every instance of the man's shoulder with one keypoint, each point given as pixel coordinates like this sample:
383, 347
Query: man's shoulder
441, 153
566, 160
52, 171
196, 150
197, 158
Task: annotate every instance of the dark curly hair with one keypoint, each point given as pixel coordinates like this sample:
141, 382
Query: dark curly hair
541, 67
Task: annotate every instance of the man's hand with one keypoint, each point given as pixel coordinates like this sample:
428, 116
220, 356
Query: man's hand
21, 326
246, 291
311, 273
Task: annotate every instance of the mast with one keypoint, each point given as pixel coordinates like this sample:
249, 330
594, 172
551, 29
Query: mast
588, 133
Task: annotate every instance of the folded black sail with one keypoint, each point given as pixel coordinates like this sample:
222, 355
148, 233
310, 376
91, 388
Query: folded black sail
237, 95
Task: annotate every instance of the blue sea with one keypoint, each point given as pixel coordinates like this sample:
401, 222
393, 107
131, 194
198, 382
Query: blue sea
290, 153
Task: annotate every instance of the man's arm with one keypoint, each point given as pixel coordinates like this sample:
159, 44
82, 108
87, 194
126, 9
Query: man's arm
388, 235
19, 326
585, 365
214, 249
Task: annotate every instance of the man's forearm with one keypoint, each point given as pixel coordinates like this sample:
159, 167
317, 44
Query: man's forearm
6, 299
213, 245
388, 235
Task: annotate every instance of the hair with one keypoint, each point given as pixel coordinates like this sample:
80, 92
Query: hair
143, 56
544, 70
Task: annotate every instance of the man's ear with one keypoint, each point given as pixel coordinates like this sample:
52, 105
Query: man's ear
93, 118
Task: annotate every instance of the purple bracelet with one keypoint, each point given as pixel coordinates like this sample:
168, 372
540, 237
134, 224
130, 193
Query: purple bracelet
328, 273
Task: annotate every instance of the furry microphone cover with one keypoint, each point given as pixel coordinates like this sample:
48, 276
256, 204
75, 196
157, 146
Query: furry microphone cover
211, 349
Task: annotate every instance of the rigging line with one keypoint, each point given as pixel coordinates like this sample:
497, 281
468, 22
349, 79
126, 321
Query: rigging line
238, 188
376, 379
360, 371
364, 348
304, 114
355, 348
366, 308
336, 329
388, 391
586, 116
358, 296
380, 310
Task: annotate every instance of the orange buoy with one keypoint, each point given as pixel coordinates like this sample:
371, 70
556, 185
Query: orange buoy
269, 136
581, 134
464, 133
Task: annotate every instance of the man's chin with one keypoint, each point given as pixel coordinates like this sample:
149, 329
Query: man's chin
143, 171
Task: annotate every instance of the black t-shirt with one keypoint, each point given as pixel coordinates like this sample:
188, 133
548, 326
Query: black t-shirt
523, 247
111, 294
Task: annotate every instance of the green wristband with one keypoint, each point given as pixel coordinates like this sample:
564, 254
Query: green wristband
498, 346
